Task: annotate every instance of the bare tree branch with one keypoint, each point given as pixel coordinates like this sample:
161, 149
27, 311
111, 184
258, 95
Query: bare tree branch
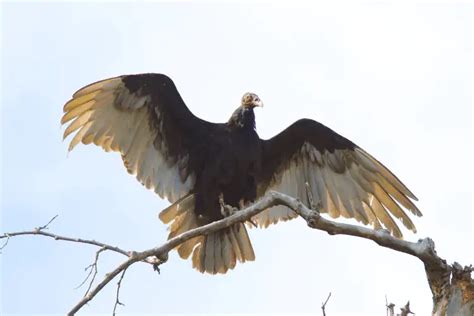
323, 307
7, 236
92, 268
438, 271
406, 310
39, 231
390, 307
451, 285
117, 300
161, 252
47, 224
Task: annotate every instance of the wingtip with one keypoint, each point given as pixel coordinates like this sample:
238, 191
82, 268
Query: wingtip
396, 232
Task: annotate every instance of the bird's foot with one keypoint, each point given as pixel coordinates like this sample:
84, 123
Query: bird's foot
226, 210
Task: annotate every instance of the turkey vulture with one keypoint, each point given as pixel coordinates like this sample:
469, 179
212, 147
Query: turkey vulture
202, 167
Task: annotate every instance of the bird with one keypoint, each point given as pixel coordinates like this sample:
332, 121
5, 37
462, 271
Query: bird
209, 170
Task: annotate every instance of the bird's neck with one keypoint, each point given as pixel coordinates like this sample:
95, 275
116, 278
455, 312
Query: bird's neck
242, 118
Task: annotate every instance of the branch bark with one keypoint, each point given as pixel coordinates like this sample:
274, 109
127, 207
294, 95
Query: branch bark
452, 286
39, 231
323, 306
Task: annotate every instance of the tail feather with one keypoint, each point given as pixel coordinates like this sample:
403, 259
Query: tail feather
228, 253
213, 253
186, 248
219, 251
198, 257
244, 243
219, 265
235, 244
209, 255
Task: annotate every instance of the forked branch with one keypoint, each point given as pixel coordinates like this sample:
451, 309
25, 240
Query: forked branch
452, 286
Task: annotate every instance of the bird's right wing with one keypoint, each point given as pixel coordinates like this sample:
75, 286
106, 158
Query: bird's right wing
144, 118
309, 159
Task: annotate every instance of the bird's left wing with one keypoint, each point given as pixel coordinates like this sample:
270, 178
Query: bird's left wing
144, 118
341, 176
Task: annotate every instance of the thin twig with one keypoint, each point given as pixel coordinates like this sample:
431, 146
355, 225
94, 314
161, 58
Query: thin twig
92, 268
390, 307
406, 310
161, 252
39, 231
36, 230
323, 307
5, 243
46, 226
309, 193
117, 300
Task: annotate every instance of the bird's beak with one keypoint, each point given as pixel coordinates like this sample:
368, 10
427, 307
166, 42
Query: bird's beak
259, 103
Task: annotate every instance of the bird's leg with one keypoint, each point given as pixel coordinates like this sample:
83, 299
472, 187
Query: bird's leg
226, 210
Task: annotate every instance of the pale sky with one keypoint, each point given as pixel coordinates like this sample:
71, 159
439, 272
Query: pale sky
394, 78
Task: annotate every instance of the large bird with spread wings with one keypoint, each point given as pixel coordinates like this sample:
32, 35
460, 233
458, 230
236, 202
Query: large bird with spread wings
202, 167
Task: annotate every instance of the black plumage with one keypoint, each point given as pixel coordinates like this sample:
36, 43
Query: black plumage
201, 166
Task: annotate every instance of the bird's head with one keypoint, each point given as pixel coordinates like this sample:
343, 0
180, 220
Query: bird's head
251, 100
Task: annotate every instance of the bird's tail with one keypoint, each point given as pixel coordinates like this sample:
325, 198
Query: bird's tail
213, 253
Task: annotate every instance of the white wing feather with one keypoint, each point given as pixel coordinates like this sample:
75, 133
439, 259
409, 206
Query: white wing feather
346, 182
106, 114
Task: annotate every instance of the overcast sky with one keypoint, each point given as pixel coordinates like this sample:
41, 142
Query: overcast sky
394, 78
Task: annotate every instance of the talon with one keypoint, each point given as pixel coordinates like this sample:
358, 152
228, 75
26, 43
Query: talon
223, 210
226, 210
221, 200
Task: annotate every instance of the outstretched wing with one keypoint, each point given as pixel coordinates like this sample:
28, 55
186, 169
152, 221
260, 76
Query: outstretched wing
144, 118
344, 178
